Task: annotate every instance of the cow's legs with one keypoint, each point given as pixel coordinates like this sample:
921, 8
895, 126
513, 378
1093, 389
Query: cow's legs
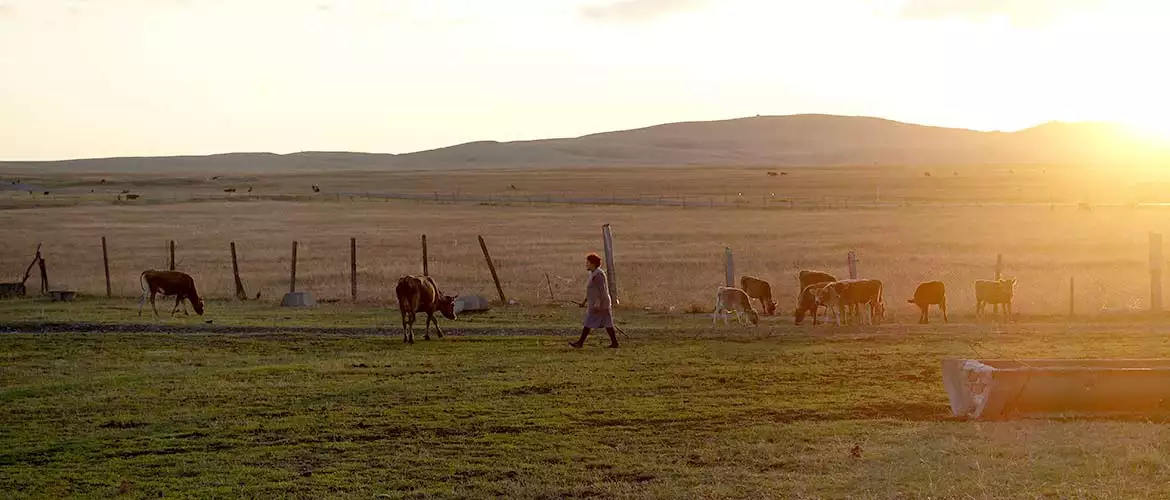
438, 329
178, 298
141, 302
943, 306
152, 304
923, 314
402, 310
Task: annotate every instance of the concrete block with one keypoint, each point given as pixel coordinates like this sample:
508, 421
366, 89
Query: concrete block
471, 303
298, 299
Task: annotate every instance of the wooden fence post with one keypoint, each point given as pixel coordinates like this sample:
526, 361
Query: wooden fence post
44, 276
426, 271
172, 253
610, 270
552, 297
492, 268
729, 267
1156, 272
292, 279
998, 266
353, 269
240, 293
106, 267
851, 261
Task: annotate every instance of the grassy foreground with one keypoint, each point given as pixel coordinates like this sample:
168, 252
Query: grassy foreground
685, 414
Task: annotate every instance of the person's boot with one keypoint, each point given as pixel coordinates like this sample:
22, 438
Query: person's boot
581, 341
612, 338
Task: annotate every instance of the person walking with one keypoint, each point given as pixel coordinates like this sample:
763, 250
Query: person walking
599, 306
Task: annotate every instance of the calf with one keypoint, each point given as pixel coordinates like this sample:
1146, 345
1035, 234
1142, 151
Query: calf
417, 295
994, 292
176, 283
759, 289
927, 294
811, 299
735, 300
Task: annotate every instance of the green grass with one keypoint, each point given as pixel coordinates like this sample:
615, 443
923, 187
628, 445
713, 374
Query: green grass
676, 413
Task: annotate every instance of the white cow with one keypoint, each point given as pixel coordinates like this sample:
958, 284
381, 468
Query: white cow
734, 300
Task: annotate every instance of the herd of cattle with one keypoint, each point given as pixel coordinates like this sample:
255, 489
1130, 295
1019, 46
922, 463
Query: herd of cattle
851, 301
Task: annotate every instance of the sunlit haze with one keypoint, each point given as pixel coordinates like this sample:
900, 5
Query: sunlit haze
158, 77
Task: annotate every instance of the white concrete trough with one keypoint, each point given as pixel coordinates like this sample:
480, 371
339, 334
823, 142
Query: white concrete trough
298, 299
997, 389
471, 303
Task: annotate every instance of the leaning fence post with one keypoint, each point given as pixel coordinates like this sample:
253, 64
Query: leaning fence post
851, 261
1156, 272
44, 276
492, 268
426, 272
240, 293
353, 269
172, 253
292, 278
610, 270
729, 267
106, 267
998, 266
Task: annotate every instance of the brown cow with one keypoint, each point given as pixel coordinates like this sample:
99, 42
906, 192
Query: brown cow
927, 294
846, 298
994, 292
759, 289
167, 283
807, 278
417, 295
810, 300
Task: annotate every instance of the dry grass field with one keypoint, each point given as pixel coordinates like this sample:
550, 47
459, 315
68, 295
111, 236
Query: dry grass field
667, 256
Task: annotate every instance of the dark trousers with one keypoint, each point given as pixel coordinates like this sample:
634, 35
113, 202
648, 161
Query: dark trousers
612, 335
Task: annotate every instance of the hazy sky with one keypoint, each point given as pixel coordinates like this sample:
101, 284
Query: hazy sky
84, 78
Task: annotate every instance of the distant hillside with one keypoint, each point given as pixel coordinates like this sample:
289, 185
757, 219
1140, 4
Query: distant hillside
795, 140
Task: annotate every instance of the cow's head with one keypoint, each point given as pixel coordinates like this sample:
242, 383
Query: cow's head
197, 305
754, 317
771, 307
447, 305
1009, 286
798, 314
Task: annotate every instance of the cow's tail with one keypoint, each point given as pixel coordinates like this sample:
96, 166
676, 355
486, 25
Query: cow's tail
142, 300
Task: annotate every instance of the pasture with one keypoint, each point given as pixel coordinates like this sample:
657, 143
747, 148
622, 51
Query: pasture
327, 402
677, 412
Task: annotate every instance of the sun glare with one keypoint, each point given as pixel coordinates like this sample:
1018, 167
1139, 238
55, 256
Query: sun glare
1151, 129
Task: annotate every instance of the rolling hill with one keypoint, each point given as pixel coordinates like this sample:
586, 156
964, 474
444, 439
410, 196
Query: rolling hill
792, 140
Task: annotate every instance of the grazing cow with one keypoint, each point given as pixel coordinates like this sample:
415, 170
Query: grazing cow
807, 278
131, 197
417, 295
773, 174
994, 292
927, 294
734, 300
759, 289
810, 300
847, 297
229, 190
168, 283
316, 188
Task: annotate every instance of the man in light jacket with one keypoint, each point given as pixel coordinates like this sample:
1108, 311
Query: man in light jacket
599, 307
